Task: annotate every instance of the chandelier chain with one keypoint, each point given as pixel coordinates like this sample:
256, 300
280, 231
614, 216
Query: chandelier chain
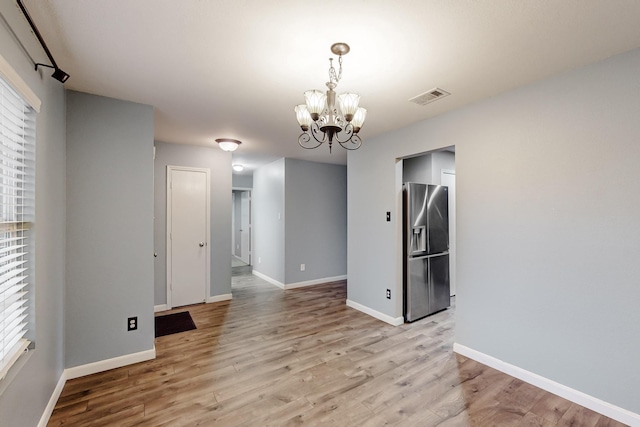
333, 78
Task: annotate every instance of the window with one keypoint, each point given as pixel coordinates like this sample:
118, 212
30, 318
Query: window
17, 212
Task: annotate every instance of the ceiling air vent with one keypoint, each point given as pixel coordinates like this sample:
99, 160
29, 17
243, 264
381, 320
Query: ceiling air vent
429, 96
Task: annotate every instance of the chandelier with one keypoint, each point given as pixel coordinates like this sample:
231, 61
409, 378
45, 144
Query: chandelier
320, 119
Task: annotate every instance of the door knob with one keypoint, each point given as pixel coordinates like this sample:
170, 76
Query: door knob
201, 244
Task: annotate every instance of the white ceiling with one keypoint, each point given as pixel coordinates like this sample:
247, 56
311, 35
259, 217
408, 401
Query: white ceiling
236, 68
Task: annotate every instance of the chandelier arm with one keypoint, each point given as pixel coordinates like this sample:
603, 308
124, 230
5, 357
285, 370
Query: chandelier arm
305, 138
347, 132
313, 131
355, 139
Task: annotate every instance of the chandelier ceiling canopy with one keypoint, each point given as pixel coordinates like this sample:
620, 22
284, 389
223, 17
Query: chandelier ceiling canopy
321, 120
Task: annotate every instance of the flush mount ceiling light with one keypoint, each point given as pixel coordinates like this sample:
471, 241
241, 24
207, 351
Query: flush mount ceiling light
238, 167
228, 144
322, 121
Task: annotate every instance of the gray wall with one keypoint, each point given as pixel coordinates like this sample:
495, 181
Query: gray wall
242, 181
26, 390
109, 228
219, 162
316, 220
441, 160
427, 168
268, 220
548, 194
299, 214
417, 169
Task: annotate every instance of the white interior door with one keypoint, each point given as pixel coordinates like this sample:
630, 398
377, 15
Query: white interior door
448, 178
245, 227
187, 235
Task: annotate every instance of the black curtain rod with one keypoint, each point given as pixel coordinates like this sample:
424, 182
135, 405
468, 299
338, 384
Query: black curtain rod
58, 74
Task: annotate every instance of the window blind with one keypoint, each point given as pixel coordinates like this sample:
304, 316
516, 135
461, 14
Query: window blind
17, 203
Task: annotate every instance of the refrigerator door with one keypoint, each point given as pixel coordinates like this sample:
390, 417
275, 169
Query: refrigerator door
415, 221
416, 289
439, 294
437, 212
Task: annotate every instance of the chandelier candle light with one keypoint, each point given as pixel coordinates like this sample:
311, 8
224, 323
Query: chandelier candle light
321, 119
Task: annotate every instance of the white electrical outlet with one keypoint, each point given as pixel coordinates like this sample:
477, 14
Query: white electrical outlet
259, 260
302, 267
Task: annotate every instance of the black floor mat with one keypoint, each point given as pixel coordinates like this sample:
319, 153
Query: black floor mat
173, 323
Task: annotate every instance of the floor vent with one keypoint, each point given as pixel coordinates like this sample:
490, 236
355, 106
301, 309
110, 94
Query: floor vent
429, 96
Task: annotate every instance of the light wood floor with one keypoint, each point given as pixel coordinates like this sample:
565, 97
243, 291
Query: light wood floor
276, 358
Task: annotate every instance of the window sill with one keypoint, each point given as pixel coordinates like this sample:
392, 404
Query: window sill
17, 361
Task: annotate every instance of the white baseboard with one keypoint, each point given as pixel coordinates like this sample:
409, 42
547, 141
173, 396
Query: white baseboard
218, 298
314, 282
268, 279
88, 369
395, 321
575, 396
105, 365
48, 410
215, 298
298, 284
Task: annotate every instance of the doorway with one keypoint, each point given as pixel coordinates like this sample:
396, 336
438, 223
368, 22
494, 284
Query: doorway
433, 168
188, 219
241, 228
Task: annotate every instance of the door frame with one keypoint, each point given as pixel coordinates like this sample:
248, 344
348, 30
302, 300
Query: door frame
233, 223
207, 284
452, 244
250, 226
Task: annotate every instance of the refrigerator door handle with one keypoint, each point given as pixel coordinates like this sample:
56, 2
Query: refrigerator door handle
429, 256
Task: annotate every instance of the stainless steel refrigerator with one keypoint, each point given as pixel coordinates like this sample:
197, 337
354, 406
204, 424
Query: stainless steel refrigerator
426, 253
